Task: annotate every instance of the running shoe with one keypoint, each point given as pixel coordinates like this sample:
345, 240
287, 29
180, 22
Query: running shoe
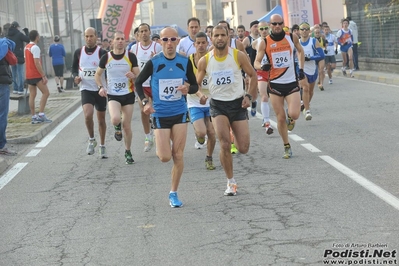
287, 151
209, 163
302, 106
103, 152
201, 140
233, 149
253, 108
7, 151
268, 128
330, 81
321, 87
351, 73
36, 120
308, 115
129, 157
59, 89
231, 189
90, 146
290, 122
343, 71
148, 143
44, 118
198, 145
118, 132
174, 200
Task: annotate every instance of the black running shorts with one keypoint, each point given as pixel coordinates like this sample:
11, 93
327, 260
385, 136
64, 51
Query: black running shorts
232, 109
127, 99
93, 98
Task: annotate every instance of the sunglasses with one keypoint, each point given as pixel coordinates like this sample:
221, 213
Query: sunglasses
277, 23
263, 28
302, 29
173, 39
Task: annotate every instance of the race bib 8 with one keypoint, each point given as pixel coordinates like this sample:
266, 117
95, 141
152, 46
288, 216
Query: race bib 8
223, 77
281, 59
168, 89
264, 60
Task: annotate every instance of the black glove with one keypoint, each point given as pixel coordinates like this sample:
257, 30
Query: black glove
301, 74
307, 58
336, 51
26, 31
266, 67
325, 51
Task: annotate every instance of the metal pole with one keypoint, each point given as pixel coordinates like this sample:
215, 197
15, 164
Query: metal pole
48, 19
92, 9
321, 11
71, 26
83, 17
66, 18
56, 20
8, 10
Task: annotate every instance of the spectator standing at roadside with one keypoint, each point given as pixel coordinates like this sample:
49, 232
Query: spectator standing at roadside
353, 27
106, 46
36, 78
57, 54
18, 70
7, 58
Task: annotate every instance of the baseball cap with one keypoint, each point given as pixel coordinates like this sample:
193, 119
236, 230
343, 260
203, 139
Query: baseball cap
15, 24
155, 36
56, 38
255, 22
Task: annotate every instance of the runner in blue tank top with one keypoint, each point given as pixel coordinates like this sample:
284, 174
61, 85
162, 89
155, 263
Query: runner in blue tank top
169, 71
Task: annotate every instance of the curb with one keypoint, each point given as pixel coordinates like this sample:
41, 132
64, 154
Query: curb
3, 165
40, 134
366, 77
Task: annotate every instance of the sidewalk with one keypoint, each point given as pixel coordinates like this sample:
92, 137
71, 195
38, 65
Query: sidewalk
21, 131
60, 105
387, 78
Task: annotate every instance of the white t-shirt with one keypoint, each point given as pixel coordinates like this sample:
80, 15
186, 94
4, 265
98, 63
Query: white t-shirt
35, 50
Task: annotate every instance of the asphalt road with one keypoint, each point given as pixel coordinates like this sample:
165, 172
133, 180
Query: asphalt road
337, 197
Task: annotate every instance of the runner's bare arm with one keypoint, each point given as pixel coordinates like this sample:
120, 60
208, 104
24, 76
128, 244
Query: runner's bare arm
250, 71
260, 53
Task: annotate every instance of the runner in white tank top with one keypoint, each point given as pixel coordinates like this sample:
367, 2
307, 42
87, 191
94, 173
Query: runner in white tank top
228, 104
84, 66
144, 51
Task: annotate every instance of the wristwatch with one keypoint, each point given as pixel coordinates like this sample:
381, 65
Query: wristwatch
100, 87
144, 101
249, 96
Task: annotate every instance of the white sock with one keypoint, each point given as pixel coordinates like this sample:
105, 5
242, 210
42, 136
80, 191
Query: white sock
264, 107
231, 181
92, 138
148, 136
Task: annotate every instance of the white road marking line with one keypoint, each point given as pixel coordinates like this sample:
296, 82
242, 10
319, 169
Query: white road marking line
370, 186
46, 140
310, 147
33, 153
7, 177
295, 137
